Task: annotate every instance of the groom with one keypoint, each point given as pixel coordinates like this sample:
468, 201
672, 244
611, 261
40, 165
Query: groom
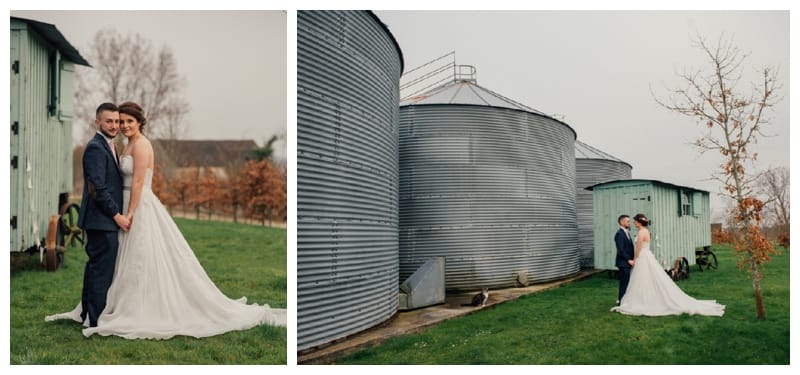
624, 261
100, 214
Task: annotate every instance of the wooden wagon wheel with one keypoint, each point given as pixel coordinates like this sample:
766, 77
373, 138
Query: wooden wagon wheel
71, 233
711, 261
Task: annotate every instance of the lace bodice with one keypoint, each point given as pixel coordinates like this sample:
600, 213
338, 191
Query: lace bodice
126, 166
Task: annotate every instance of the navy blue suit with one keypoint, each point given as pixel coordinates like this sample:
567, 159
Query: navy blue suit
624, 254
102, 199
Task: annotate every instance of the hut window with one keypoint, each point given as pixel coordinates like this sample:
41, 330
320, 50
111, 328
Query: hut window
686, 203
54, 80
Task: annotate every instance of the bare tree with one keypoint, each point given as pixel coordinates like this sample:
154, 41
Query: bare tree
733, 121
774, 184
128, 68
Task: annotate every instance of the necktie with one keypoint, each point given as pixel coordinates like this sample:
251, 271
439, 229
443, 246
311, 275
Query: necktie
113, 150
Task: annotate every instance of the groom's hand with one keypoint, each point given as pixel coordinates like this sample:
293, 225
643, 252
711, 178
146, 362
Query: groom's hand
631, 262
122, 222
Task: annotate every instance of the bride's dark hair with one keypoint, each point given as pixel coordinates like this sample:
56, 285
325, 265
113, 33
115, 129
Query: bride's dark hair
642, 219
134, 110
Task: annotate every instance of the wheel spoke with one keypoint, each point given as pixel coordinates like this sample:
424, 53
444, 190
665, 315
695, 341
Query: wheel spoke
713, 261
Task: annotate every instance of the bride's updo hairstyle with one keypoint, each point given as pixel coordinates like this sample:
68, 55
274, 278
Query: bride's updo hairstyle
134, 110
641, 219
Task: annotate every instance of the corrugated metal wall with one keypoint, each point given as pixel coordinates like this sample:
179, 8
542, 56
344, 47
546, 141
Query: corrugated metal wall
590, 172
42, 146
491, 189
674, 235
610, 201
671, 235
348, 68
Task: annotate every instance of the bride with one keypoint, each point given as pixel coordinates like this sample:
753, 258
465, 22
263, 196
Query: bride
651, 291
159, 288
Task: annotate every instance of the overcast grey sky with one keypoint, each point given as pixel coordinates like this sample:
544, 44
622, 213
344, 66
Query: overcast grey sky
595, 69
234, 63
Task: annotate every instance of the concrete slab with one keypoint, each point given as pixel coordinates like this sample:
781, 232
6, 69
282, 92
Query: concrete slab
408, 322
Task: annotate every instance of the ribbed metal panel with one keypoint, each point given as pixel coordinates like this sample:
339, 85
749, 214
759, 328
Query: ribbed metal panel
42, 145
348, 71
592, 167
672, 235
491, 189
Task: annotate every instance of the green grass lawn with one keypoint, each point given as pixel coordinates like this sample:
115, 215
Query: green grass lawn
572, 325
242, 260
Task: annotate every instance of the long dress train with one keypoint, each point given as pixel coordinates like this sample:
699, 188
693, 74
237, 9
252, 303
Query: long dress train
160, 289
652, 292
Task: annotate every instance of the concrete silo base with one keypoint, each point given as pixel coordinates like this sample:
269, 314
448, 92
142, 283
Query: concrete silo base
408, 322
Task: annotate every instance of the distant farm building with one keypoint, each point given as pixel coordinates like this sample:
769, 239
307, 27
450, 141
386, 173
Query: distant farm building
222, 157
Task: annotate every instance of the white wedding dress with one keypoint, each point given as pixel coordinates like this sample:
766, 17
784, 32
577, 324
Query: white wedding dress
652, 292
160, 289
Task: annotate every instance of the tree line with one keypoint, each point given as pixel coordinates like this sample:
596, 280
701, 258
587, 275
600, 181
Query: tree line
256, 192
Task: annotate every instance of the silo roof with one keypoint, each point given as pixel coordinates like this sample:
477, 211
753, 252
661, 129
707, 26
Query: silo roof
584, 151
469, 93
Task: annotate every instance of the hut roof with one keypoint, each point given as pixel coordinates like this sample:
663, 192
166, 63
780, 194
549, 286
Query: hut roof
655, 182
53, 36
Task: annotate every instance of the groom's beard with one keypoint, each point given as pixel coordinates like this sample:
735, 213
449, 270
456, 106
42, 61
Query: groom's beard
111, 137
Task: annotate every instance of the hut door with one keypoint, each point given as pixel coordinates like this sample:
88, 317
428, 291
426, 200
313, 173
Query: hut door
640, 202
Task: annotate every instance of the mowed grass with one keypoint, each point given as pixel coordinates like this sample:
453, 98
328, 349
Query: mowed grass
572, 325
242, 260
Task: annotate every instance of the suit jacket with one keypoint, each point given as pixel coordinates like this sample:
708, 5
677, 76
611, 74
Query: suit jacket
102, 187
624, 249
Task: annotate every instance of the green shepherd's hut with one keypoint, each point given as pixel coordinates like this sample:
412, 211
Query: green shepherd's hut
41, 101
680, 218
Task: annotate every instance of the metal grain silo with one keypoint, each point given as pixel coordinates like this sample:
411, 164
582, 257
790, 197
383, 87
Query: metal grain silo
488, 183
592, 167
348, 71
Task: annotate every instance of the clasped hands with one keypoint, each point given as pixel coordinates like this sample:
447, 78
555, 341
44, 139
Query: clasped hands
124, 222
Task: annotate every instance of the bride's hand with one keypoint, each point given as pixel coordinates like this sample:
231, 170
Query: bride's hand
129, 216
